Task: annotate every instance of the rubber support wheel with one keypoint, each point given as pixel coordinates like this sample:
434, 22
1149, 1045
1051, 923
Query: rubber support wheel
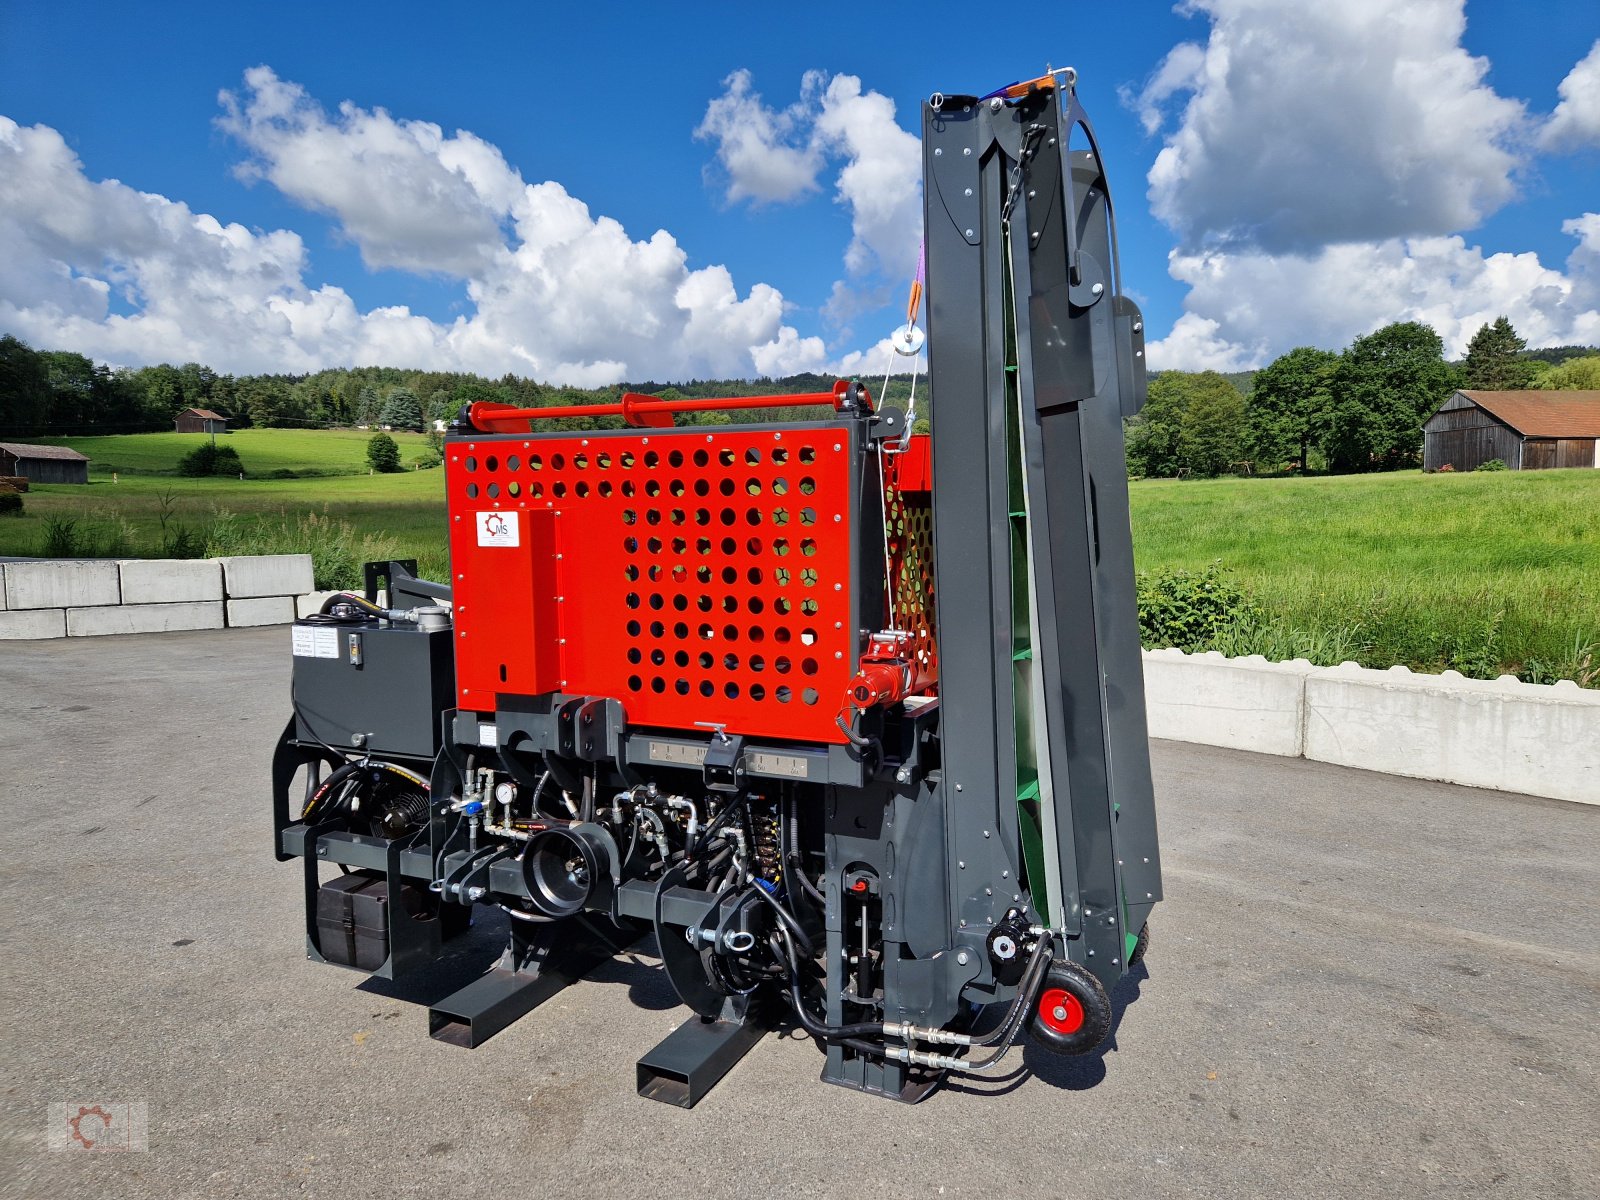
1073, 1014
1140, 946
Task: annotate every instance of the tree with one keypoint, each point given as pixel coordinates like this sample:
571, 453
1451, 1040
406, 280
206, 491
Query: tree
1153, 434
1288, 406
1213, 422
1191, 421
24, 389
383, 454
1493, 359
1386, 385
402, 410
1576, 374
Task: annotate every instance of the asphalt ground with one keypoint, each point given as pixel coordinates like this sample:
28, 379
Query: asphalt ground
1358, 986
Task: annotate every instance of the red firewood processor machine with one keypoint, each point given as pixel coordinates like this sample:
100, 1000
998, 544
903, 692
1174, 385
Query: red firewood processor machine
849, 717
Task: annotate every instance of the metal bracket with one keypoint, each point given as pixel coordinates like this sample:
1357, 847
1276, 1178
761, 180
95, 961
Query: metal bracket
724, 763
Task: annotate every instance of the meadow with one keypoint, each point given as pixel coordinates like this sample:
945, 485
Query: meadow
1482, 573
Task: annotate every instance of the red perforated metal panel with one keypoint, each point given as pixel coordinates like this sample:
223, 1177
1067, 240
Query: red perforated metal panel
696, 577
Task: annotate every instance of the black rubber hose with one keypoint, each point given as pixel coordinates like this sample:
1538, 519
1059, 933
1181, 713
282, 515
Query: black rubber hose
1027, 996
717, 822
337, 777
350, 598
792, 856
788, 918
828, 1033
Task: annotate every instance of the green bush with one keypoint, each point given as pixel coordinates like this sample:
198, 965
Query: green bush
207, 459
282, 473
10, 503
1494, 464
383, 454
1189, 609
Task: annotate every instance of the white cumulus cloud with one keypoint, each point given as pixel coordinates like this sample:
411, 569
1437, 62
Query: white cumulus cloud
1247, 306
1319, 170
1315, 123
769, 154
1575, 124
762, 150
556, 292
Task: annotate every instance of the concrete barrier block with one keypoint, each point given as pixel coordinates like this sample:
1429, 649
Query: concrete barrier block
31, 624
1512, 736
170, 581
267, 575
263, 610
144, 618
61, 584
1244, 703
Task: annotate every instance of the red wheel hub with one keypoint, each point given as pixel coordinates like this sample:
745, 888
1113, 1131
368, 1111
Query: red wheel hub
1060, 1011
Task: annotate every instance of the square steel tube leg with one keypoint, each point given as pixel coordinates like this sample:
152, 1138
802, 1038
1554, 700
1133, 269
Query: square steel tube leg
533, 969
692, 1058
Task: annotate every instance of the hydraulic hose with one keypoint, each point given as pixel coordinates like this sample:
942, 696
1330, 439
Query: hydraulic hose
716, 823
792, 857
338, 776
788, 919
828, 1033
360, 602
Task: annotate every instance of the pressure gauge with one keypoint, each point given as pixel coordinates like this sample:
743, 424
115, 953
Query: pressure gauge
505, 792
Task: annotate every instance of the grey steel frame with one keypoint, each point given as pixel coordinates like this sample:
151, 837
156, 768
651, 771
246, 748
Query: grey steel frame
1078, 349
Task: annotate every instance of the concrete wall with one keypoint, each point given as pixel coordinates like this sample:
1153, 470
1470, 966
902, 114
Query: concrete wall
48, 599
1499, 733
1504, 734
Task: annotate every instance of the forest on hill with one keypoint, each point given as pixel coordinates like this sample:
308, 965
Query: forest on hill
1308, 410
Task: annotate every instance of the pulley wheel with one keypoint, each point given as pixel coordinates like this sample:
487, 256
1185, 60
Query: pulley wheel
561, 869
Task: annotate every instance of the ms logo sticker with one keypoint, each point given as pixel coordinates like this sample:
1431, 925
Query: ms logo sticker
498, 529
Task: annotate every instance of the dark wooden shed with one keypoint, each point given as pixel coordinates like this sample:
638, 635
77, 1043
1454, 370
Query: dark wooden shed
201, 420
43, 464
1528, 431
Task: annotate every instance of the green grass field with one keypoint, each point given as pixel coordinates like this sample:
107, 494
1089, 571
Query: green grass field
330, 451
1481, 572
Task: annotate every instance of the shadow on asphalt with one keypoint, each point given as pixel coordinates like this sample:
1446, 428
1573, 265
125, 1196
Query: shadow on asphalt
639, 970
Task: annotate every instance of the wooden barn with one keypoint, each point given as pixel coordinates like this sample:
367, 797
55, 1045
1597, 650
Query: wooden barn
201, 420
43, 464
1528, 431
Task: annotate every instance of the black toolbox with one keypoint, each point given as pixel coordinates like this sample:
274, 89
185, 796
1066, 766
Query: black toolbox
353, 919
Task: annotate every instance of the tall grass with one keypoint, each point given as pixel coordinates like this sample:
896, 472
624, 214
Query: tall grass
1483, 574
337, 548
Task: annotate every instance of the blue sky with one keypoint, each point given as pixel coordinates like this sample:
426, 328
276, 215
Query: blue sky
484, 190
